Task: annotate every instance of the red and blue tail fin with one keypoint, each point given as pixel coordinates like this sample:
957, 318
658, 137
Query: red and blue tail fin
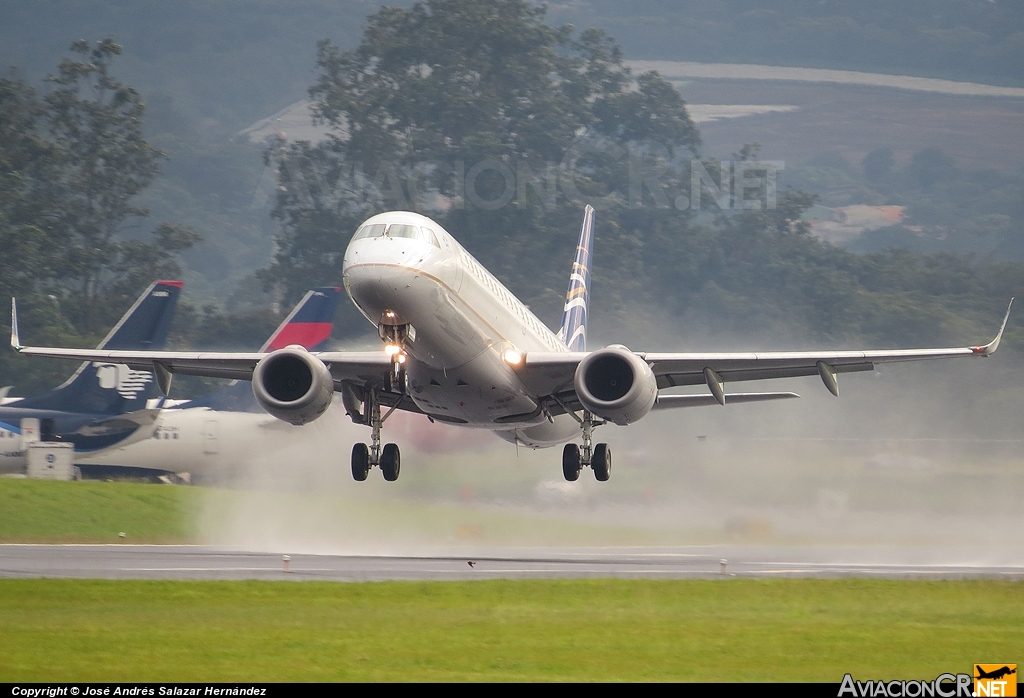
107, 388
310, 323
577, 298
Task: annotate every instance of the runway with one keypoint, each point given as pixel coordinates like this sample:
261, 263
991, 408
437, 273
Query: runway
191, 562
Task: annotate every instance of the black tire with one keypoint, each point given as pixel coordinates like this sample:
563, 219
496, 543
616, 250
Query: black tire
390, 462
571, 462
601, 462
360, 462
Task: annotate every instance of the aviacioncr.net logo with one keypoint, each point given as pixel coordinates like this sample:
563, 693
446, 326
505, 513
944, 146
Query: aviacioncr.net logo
943, 686
995, 680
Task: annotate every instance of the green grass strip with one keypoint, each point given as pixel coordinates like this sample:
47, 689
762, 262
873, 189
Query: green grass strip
562, 630
45, 511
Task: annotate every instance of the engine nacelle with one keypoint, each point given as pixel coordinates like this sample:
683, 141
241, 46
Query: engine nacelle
293, 385
616, 384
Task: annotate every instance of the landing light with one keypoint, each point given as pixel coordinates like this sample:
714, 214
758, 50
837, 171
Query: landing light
401, 358
392, 349
512, 357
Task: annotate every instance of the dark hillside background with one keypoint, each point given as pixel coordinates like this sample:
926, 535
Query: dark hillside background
226, 64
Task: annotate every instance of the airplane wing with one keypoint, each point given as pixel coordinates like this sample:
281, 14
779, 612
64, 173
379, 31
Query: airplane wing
359, 367
550, 374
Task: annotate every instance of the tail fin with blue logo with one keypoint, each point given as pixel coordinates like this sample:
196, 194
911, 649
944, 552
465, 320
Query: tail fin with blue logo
309, 325
577, 298
107, 388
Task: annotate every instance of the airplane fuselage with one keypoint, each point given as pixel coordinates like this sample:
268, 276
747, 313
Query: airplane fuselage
464, 321
87, 432
200, 441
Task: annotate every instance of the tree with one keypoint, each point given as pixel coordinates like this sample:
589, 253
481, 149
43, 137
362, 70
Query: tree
71, 164
442, 105
471, 111
27, 167
103, 161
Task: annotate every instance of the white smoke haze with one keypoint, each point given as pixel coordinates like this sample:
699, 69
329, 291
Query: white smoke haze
912, 460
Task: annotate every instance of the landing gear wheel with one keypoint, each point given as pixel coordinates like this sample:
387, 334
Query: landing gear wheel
360, 462
571, 464
390, 462
601, 462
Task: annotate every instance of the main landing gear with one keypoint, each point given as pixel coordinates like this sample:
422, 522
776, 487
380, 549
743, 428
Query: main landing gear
575, 458
388, 458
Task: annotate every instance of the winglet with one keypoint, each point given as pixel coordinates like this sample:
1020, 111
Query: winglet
15, 340
991, 347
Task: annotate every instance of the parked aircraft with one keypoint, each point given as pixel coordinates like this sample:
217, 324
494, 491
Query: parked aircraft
209, 436
104, 403
460, 348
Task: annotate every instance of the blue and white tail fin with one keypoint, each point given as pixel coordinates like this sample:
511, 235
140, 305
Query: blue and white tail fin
309, 324
107, 388
577, 298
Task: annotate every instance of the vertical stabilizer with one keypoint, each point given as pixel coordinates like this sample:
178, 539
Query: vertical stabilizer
577, 298
310, 323
107, 388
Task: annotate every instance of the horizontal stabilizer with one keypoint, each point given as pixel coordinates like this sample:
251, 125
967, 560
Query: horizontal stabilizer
665, 402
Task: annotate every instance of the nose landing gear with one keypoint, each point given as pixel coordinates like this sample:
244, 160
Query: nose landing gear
396, 334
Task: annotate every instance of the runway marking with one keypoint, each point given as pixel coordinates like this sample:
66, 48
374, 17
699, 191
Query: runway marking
108, 545
203, 569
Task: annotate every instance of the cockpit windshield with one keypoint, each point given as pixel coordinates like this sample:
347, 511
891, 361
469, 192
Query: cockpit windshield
403, 231
370, 231
397, 230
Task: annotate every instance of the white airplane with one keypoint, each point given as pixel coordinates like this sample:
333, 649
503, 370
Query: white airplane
461, 349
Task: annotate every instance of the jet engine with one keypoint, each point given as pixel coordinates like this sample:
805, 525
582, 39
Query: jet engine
615, 384
293, 385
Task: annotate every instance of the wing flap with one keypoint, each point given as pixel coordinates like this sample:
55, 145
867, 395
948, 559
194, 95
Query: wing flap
665, 402
671, 380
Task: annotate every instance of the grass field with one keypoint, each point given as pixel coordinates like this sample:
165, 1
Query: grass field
587, 630
525, 630
42, 511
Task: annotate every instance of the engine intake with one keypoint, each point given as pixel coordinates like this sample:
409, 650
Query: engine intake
293, 385
616, 385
